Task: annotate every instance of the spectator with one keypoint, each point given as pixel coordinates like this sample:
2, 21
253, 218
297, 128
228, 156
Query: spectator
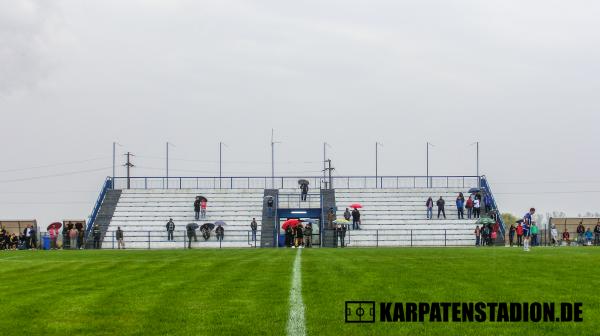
289, 234
476, 208
554, 235
120, 243
580, 233
485, 233
330, 218
33, 238
197, 208
440, 205
299, 235
253, 227
14, 241
27, 237
73, 238
429, 205
469, 206
566, 237
511, 234
488, 203
191, 234
80, 238
460, 206
520, 234
220, 233
597, 234
347, 214
65, 238
534, 234
341, 233
355, 220
53, 233
308, 235
493, 235
170, 229
589, 235
477, 236
96, 233
270, 206
203, 204
303, 191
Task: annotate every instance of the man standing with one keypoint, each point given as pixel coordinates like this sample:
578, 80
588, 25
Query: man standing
440, 205
534, 234
597, 234
220, 233
203, 204
308, 235
342, 234
347, 215
170, 229
580, 233
554, 235
120, 243
197, 208
487, 201
53, 232
270, 206
511, 234
520, 234
477, 235
355, 219
304, 189
96, 233
191, 234
253, 227
330, 218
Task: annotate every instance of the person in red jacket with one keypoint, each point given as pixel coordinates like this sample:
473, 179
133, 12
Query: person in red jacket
519, 235
203, 208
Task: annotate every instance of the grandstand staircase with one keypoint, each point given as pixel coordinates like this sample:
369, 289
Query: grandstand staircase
105, 214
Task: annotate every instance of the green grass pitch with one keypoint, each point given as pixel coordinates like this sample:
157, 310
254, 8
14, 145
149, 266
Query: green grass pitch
246, 291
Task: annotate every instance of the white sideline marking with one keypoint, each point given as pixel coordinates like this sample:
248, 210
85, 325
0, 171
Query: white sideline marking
295, 323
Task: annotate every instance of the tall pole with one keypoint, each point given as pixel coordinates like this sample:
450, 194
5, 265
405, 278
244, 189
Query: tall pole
478, 180
324, 163
167, 163
376, 168
128, 165
220, 162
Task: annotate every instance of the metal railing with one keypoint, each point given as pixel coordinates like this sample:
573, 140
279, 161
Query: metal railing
291, 182
159, 239
108, 184
407, 238
313, 200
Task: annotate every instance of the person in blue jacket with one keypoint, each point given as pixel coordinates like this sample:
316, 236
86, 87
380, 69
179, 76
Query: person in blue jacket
460, 206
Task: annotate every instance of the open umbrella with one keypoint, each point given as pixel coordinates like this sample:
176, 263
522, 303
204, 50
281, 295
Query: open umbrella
79, 226
309, 220
303, 181
342, 221
519, 221
55, 225
193, 226
202, 198
486, 220
207, 227
356, 206
474, 190
220, 222
290, 222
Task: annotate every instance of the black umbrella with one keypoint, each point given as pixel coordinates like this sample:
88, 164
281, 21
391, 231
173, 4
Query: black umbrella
220, 223
474, 190
202, 198
207, 227
303, 181
193, 226
519, 221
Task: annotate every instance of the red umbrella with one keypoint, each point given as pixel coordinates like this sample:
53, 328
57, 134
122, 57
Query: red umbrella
290, 222
56, 225
355, 206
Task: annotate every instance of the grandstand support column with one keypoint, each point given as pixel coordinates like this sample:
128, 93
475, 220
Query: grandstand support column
327, 202
268, 229
128, 165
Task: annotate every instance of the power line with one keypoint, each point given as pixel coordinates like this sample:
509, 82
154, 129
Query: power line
54, 175
50, 165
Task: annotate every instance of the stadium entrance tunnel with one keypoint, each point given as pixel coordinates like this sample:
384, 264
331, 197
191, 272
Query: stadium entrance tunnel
312, 214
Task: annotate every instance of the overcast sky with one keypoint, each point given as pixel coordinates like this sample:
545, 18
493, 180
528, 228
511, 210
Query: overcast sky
521, 77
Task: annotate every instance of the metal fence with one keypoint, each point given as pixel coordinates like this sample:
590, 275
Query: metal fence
405, 238
291, 182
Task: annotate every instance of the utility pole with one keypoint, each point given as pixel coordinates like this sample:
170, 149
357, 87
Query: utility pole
221, 161
325, 144
377, 144
167, 164
128, 165
330, 169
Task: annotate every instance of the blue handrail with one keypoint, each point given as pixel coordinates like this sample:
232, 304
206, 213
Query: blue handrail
92, 218
485, 184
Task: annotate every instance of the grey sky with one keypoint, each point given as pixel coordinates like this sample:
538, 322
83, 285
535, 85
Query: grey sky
521, 77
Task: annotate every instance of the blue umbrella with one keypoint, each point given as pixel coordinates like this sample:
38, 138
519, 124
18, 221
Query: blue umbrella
474, 190
220, 223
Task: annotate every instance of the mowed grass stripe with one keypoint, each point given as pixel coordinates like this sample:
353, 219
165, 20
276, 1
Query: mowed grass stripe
296, 324
333, 276
198, 292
